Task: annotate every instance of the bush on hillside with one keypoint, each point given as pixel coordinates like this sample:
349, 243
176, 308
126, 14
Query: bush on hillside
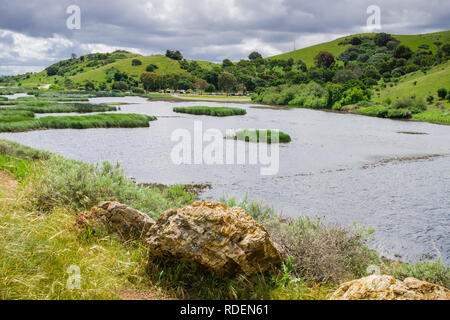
136, 62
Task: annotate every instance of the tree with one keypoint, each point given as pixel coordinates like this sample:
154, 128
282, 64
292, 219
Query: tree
342, 76
149, 81
151, 67
120, 85
52, 70
89, 86
402, 51
174, 55
446, 49
356, 41
200, 84
442, 93
136, 62
227, 82
227, 63
254, 55
324, 59
381, 39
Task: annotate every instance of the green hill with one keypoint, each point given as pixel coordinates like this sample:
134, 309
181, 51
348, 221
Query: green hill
165, 66
92, 68
413, 41
418, 83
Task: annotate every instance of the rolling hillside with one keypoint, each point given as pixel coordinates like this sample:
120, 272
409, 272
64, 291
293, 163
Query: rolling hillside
93, 68
419, 83
83, 72
413, 41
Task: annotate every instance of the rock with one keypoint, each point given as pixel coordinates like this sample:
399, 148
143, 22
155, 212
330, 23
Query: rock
388, 288
221, 239
117, 218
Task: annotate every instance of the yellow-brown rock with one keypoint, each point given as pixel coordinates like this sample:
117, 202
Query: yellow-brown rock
117, 218
385, 287
222, 239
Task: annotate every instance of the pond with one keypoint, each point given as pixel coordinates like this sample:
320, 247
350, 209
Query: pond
347, 168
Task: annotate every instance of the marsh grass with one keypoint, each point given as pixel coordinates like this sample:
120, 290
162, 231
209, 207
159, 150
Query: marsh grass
260, 136
12, 115
79, 122
54, 107
211, 111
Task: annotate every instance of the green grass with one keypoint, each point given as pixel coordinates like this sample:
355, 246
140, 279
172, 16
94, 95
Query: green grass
79, 122
307, 54
418, 84
211, 111
434, 116
54, 107
19, 168
260, 136
39, 242
12, 115
422, 85
413, 41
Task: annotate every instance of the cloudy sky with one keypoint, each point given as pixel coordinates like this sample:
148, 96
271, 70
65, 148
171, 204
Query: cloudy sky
34, 33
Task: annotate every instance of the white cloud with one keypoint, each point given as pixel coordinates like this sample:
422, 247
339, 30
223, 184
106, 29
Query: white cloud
102, 48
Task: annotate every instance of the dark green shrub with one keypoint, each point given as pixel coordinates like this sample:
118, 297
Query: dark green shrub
136, 62
442, 93
434, 272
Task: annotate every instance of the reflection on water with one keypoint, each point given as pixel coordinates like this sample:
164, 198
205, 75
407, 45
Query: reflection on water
347, 168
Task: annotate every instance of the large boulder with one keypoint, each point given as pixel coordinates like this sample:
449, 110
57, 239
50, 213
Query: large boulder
115, 217
385, 287
221, 239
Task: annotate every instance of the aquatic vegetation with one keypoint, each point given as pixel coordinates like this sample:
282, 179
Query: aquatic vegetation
79, 122
260, 136
211, 111
54, 107
11, 115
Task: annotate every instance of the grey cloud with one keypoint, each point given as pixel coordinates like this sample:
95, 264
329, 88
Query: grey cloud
205, 29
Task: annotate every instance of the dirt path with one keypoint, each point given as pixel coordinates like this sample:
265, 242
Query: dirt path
133, 295
208, 99
8, 186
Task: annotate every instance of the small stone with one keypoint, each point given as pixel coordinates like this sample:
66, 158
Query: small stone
115, 217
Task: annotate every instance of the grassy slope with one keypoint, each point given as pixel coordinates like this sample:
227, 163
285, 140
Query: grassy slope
307, 54
429, 83
165, 66
413, 41
95, 74
426, 84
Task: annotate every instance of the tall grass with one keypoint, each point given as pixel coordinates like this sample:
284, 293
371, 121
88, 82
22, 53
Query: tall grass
79, 122
11, 115
211, 111
318, 253
434, 115
54, 107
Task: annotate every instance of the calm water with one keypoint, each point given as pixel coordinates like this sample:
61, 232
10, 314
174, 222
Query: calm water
334, 168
